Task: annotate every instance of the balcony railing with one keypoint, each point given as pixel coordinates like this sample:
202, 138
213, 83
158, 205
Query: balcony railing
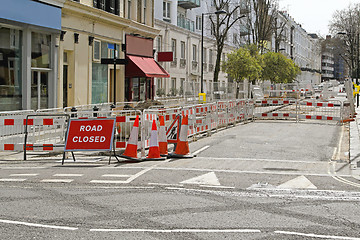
211, 67
188, 4
182, 62
174, 63
194, 65
186, 23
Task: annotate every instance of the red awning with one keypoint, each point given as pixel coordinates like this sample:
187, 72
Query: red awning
144, 67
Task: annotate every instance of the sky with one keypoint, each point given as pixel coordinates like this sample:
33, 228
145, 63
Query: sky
314, 15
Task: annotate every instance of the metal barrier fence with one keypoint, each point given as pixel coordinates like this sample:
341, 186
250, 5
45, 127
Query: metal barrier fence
46, 132
299, 109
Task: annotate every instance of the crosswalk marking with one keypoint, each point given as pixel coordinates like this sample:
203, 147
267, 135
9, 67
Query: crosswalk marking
12, 179
107, 181
115, 175
57, 180
68, 175
24, 174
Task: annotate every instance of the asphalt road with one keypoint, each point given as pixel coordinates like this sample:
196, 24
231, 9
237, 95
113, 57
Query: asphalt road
262, 180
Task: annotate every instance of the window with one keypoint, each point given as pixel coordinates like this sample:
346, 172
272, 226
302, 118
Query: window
99, 91
173, 47
235, 39
198, 22
210, 56
129, 9
166, 10
194, 53
10, 69
111, 6
204, 56
96, 51
158, 44
173, 83
41, 50
144, 15
182, 49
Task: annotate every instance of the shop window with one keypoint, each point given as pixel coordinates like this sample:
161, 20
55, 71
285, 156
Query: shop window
40, 50
100, 77
96, 51
10, 69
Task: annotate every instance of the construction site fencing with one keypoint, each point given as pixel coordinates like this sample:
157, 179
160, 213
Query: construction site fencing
46, 130
276, 108
296, 109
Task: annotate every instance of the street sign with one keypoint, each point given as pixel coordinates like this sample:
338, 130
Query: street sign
113, 61
111, 46
90, 135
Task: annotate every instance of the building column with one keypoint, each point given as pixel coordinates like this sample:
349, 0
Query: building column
26, 70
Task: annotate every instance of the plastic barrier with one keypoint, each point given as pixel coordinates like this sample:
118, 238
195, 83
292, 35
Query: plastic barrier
44, 132
331, 110
276, 109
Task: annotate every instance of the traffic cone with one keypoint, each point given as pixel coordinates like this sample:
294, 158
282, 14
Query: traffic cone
163, 145
182, 147
132, 145
154, 150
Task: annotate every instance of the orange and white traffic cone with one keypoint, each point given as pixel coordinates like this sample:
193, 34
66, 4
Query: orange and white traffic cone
163, 145
154, 150
132, 145
182, 147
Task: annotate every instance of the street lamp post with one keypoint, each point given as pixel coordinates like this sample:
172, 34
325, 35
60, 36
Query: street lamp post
202, 45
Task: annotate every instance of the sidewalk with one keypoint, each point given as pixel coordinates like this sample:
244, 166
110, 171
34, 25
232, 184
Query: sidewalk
355, 145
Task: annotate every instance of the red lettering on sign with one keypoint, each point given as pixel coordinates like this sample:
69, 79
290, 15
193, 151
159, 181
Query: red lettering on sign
90, 134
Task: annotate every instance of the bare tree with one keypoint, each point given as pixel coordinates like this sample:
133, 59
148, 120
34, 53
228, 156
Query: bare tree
220, 26
262, 21
345, 25
279, 31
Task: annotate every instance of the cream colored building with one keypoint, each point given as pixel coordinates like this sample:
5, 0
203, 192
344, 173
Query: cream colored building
180, 25
90, 28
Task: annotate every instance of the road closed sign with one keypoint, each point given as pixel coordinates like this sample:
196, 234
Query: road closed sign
90, 134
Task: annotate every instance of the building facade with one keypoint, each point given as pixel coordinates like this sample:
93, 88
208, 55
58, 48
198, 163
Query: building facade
92, 30
29, 43
180, 23
304, 49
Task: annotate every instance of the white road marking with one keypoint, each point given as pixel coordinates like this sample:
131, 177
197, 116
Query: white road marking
200, 150
107, 181
166, 185
333, 174
57, 180
115, 175
180, 230
316, 236
258, 159
248, 171
12, 179
37, 225
218, 187
205, 179
24, 174
23, 167
298, 182
67, 175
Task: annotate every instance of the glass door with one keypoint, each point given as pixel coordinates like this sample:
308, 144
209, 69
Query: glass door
39, 90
